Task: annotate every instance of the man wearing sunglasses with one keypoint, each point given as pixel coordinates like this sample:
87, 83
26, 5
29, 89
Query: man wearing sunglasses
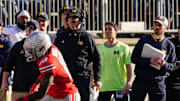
80, 53
25, 73
43, 20
32, 26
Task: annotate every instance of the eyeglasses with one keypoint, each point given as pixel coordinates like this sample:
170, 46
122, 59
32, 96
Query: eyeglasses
31, 28
73, 17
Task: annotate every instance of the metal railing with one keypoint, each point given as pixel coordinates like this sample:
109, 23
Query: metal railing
98, 11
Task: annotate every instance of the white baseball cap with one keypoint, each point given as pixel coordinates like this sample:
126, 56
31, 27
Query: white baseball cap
162, 20
24, 13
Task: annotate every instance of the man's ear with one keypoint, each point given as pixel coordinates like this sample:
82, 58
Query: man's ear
48, 22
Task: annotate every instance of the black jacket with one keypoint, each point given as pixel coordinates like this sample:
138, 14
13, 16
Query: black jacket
25, 73
80, 53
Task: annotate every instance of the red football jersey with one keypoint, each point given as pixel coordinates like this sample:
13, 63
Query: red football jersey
54, 63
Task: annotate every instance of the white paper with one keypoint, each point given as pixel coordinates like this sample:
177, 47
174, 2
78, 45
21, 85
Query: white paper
149, 52
93, 94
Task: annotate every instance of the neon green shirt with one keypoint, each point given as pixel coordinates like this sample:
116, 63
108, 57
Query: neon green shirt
114, 61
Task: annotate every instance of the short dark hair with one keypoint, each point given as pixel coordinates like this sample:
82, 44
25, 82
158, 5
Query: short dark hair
112, 24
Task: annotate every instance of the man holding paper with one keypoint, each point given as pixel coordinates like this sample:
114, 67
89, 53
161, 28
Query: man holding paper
150, 79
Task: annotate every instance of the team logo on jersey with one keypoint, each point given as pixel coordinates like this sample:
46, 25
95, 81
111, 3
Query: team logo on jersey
116, 52
1, 46
22, 52
62, 41
75, 34
70, 34
164, 51
80, 42
66, 7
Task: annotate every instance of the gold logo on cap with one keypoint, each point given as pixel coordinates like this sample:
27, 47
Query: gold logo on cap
41, 13
1, 46
66, 7
80, 42
73, 10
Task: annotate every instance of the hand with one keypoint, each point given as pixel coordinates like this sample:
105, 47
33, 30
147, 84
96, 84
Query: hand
4, 86
34, 88
127, 88
157, 61
98, 85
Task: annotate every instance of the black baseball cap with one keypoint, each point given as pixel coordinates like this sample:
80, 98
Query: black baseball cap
42, 14
76, 12
65, 8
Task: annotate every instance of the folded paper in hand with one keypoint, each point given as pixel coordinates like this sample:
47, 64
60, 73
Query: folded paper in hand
149, 52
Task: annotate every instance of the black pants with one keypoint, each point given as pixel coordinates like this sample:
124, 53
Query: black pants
83, 87
106, 96
155, 90
172, 94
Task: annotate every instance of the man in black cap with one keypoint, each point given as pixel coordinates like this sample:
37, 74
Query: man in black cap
43, 20
63, 13
80, 53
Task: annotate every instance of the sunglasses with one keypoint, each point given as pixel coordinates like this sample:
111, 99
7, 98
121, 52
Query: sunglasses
41, 20
73, 17
31, 28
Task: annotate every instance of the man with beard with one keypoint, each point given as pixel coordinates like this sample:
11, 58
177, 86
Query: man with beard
17, 32
148, 79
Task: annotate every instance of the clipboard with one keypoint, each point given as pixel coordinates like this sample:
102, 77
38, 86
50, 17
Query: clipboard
149, 52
